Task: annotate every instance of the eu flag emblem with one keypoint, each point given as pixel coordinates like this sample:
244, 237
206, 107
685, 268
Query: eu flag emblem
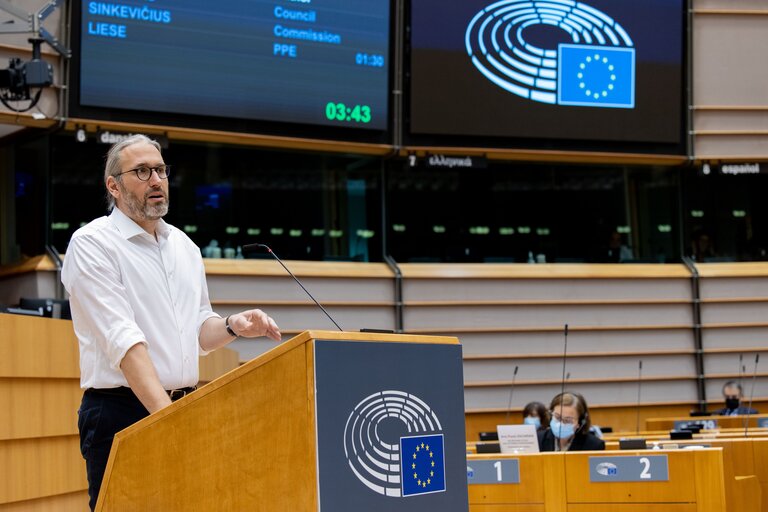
422, 465
596, 76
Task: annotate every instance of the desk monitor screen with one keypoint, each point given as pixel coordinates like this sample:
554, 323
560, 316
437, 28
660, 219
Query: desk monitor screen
50, 308
488, 448
489, 436
632, 444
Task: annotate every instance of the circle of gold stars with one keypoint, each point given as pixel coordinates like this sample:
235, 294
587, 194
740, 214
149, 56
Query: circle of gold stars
426, 481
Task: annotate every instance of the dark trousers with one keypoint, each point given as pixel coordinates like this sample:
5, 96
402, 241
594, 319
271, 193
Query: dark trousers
102, 414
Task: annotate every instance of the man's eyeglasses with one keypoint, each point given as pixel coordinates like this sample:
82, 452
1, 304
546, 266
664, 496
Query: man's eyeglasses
144, 172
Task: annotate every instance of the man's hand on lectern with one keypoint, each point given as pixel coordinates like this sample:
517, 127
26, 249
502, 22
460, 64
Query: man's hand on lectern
254, 323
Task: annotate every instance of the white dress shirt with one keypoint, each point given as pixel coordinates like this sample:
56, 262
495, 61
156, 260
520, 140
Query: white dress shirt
125, 288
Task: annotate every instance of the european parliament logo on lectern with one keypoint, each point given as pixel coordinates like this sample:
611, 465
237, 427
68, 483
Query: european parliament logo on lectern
415, 465
390, 427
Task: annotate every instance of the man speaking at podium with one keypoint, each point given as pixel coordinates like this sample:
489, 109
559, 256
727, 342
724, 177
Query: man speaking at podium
140, 305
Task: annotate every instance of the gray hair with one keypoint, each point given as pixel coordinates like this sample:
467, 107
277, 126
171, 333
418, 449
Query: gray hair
733, 384
113, 167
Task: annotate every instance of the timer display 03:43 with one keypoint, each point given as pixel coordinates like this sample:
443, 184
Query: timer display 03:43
348, 113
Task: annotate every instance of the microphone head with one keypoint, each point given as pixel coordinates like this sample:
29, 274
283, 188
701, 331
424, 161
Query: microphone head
255, 247
251, 247
640, 365
757, 358
516, 368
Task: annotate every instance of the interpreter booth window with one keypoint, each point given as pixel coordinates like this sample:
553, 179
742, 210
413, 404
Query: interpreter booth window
726, 215
508, 212
303, 205
24, 174
653, 199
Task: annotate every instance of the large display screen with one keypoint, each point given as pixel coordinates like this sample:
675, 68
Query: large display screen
319, 62
597, 70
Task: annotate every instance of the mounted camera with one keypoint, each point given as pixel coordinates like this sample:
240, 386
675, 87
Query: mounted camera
20, 76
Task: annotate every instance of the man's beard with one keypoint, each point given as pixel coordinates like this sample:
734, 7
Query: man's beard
141, 209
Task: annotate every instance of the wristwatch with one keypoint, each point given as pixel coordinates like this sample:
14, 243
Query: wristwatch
229, 329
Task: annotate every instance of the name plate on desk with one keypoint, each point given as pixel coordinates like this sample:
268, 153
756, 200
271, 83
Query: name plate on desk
644, 468
704, 424
500, 471
762, 422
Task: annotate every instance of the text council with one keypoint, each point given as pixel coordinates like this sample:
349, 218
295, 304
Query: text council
291, 14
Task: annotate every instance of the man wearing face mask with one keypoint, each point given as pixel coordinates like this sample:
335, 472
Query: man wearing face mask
569, 428
732, 393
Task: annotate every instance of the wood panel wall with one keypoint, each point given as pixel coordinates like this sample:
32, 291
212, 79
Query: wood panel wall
40, 394
40, 461
513, 315
730, 103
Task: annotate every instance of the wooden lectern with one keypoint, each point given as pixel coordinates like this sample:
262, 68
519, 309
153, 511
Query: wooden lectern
320, 421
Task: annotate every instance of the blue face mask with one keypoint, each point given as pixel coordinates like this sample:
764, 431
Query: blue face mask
530, 420
562, 430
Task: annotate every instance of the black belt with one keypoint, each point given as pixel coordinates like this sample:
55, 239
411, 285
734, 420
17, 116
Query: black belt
173, 394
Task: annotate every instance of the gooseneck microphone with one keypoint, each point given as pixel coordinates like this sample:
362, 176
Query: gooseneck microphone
741, 362
751, 396
565, 356
639, 384
254, 247
742, 371
511, 390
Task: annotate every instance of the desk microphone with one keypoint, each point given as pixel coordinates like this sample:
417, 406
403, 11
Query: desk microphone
742, 371
639, 383
254, 247
565, 355
751, 396
511, 390
741, 362
565, 377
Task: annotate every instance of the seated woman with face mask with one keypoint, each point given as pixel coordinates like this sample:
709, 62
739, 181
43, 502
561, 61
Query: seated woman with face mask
569, 427
535, 413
